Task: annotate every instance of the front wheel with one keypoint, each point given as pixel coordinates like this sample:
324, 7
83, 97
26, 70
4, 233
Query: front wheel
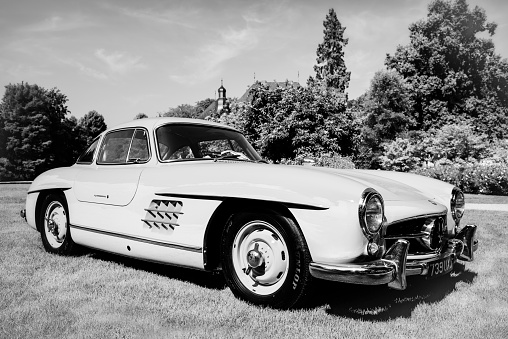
265, 259
54, 221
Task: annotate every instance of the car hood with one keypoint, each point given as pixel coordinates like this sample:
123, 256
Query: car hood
402, 199
391, 189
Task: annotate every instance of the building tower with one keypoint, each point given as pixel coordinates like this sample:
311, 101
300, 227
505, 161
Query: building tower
221, 101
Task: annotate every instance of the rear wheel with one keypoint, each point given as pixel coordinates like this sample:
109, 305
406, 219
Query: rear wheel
54, 221
265, 259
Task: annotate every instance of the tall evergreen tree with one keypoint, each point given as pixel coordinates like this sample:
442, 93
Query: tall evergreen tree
331, 67
453, 72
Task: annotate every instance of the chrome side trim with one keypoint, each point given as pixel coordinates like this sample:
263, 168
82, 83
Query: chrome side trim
139, 239
222, 198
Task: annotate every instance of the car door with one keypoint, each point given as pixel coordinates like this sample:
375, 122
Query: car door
114, 179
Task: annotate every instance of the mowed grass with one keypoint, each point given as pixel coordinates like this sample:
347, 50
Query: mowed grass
99, 295
486, 199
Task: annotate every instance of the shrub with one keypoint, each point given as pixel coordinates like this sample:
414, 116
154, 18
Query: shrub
333, 161
473, 178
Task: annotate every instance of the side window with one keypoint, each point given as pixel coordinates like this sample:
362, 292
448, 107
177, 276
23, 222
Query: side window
115, 147
87, 156
124, 146
139, 147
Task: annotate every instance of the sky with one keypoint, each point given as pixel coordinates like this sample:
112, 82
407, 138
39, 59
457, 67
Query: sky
124, 57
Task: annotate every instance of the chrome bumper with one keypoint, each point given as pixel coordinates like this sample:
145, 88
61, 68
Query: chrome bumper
394, 267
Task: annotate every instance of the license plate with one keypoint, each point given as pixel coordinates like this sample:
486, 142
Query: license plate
440, 267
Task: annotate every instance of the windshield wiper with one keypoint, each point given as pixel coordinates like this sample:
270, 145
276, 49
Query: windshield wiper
227, 156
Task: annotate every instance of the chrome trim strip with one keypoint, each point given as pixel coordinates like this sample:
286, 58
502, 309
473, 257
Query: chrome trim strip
406, 236
222, 198
161, 211
144, 240
431, 215
46, 188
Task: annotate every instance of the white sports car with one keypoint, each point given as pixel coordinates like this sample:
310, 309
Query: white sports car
196, 194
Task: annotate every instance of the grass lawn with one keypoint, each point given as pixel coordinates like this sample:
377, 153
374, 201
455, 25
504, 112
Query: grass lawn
486, 199
99, 295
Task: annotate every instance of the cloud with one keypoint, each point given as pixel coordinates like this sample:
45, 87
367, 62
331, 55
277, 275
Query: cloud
88, 71
184, 17
213, 55
119, 62
58, 23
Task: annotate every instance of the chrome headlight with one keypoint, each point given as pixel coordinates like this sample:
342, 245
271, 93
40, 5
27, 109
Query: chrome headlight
457, 204
371, 212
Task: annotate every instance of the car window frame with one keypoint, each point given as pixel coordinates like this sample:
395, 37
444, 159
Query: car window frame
103, 145
157, 148
95, 152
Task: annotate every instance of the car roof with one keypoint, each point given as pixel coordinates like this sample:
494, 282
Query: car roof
152, 123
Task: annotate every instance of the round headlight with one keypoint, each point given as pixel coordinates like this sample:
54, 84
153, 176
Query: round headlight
371, 212
457, 204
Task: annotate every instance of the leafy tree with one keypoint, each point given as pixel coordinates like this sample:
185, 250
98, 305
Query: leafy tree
140, 116
202, 105
35, 131
331, 67
453, 72
384, 113
288, 122
182, 111
92, 124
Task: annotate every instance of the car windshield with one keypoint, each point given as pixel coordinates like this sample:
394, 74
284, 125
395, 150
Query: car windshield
192, 142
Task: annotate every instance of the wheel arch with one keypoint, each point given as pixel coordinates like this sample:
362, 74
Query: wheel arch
40, 200
219, 219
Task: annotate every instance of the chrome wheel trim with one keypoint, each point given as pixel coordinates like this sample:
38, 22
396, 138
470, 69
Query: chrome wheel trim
267, 275
55, 224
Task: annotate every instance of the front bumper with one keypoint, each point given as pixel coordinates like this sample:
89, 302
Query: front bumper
395, 266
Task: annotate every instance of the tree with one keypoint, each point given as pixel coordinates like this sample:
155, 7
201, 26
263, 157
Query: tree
182, 111
331, 67
140, 116
92, 124
288, 122
35, 131
453, 72
385, 114
202, 105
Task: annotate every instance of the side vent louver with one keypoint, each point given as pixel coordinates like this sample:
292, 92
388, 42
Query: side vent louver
163, 214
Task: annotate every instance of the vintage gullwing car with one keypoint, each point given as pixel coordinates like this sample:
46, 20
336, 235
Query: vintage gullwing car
195, 193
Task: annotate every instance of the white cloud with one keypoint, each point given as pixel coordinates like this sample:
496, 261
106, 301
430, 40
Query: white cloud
58, 23
181, 17
213, 55
119, 62
88, 71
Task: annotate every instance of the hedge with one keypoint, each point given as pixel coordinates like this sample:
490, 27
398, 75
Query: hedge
472, 178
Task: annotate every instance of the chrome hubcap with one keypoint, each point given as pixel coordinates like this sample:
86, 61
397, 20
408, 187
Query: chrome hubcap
260, 257
55, 224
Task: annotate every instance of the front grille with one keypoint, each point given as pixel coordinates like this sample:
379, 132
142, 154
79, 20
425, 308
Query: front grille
425, 234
